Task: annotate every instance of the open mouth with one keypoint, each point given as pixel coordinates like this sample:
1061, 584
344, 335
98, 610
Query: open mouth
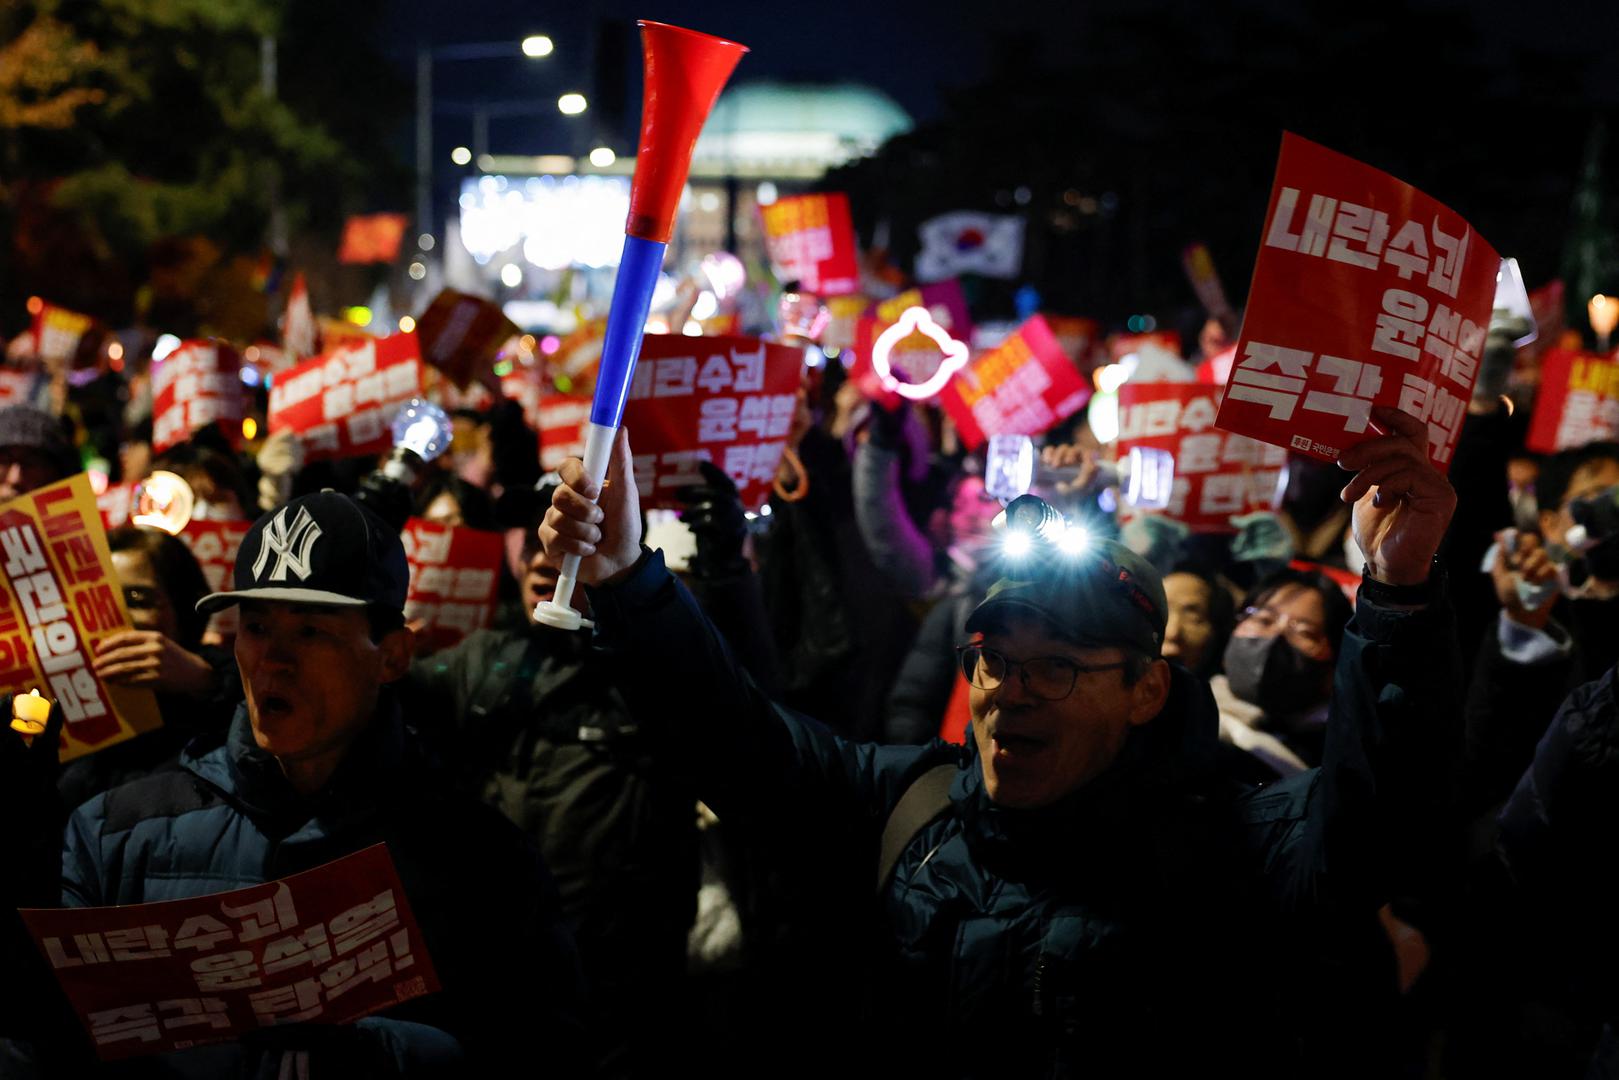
1008, 745
275, 705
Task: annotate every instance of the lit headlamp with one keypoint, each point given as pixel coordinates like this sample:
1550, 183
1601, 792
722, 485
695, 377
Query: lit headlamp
1032, 527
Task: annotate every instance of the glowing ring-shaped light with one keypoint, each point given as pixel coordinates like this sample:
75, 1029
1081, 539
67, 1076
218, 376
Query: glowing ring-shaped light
910, 321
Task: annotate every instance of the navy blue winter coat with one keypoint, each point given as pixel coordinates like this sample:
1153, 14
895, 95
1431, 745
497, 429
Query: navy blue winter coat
1158, 919
229, 819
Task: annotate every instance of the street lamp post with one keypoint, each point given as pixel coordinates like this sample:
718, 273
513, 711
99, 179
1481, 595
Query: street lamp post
535, 46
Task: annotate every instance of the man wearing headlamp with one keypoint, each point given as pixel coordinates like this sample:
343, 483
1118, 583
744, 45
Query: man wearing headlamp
1078, 890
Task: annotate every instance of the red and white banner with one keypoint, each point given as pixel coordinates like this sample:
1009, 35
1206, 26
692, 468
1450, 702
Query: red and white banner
116, 504
59, 334
327, 946
562, 428
1577, 403
1021, 387
1366, 292
811, 241
454, 575
729, 400
341, 402
214, 545
198, 384
16, 387
1217, 475
299, 334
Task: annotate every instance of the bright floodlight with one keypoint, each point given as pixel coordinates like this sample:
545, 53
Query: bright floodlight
537, 45
572, 104
602, 156
511, 275
1018, 543
461, 155
1074, 540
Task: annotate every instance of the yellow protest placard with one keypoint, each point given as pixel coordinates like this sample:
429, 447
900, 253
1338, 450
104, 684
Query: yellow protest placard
59, 598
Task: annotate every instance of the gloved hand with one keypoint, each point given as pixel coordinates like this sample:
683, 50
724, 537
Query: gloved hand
714, 514
888, 425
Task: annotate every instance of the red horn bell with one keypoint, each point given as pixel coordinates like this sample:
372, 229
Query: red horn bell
685, 71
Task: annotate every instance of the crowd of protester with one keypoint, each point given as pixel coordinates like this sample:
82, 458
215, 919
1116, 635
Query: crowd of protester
857, 789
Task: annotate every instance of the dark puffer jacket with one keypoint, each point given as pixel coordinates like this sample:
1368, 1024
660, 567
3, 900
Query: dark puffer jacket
1157, 919
228, 819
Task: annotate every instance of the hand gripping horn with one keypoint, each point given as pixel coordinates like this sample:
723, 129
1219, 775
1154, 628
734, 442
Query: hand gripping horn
684, 73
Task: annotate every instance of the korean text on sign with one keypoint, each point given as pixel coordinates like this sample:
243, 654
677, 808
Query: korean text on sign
341, 402
1366, 292
196, 385
214, 544
1578, 401
1021, 387
453, 579
1217, 474
60, 598
811, 241
330, 945
729, 400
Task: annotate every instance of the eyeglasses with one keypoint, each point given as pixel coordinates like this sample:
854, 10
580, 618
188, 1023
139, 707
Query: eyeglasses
1304, 635
1049, 678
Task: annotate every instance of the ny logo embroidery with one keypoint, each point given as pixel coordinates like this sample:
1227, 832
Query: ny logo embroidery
290, 544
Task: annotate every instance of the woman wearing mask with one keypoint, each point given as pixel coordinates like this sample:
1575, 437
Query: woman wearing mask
1278, 666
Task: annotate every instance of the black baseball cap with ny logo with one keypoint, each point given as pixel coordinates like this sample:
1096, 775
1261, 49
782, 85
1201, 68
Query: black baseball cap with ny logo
319, 549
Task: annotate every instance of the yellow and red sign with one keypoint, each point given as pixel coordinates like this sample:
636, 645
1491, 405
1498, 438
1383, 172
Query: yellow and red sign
59, 598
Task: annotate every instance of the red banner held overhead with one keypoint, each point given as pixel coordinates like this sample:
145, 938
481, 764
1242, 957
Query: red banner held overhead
327, 946
1366, 292
64, 337
454, 573
198, 384
811, 241
1578, 401
562, 428
341, 402
729, 400
460, 335
1021, 387
1217, 474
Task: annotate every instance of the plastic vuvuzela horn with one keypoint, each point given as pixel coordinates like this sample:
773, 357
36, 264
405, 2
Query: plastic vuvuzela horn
685, 72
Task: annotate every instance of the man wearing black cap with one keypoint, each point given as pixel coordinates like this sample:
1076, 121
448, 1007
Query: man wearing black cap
1078, 891
318, 764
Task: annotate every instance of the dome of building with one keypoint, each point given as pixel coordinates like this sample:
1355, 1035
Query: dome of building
794, 129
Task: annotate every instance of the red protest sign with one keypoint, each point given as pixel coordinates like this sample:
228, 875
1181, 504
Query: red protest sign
1577, 403
1021, 387
729, 400
1217, 474
811, 241
461, 334
214, 545
198, 384
59, 599
116, 504
372, 238
64, 337
341, 402
1366, 292
562, 428
453, 578
327, 946
1121, 345
1078, 337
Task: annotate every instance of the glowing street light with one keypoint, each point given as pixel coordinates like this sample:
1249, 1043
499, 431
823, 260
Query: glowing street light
461, 155
511, 275
572, 104
537, 45
602, 157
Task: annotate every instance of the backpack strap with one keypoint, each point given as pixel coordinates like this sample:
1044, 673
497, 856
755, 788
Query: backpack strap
926, 798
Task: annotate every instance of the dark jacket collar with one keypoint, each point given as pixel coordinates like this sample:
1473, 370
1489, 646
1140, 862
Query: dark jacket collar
372, 771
